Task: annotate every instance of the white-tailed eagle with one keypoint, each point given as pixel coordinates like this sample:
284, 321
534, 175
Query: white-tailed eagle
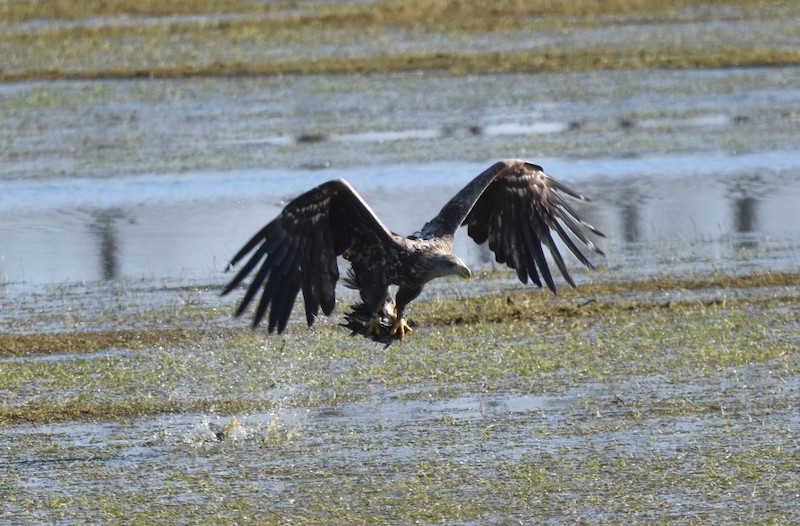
513, 204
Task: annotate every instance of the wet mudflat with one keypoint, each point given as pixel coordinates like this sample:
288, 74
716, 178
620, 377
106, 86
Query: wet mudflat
664, 389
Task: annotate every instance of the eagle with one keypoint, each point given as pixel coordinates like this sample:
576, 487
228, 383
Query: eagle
514, 205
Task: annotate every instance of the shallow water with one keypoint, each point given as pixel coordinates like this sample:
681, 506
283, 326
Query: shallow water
122, 196
163, 180
719, 207
118, 197
289, 457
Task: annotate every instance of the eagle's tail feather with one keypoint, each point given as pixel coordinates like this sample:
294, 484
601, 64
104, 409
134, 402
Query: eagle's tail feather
351, 280
358, 317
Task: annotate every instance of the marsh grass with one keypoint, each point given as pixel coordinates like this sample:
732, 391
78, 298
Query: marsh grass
657, 401
442, 13
514, 340
244, 44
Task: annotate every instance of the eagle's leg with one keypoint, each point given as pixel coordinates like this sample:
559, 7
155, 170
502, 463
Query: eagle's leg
404, 296
383, 303
400, 328
374, 326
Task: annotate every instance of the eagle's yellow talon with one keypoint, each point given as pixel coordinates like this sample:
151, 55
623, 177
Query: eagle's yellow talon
400, 328
374, 326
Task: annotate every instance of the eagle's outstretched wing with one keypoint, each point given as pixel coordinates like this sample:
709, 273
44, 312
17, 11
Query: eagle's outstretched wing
515, 206
297, 251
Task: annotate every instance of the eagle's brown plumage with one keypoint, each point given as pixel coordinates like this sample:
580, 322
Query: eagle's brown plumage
513, 205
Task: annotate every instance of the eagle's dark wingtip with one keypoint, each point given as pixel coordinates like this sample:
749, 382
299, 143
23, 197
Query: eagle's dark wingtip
229, 287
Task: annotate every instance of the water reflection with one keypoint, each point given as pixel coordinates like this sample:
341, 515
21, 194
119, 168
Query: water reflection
103, 227
745, 211
630, 218
188, 226
742, 193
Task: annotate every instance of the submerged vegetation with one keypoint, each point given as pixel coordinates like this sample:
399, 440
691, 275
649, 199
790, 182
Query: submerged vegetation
119, 39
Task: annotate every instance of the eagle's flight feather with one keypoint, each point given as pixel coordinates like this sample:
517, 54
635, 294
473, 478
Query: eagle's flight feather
513, 205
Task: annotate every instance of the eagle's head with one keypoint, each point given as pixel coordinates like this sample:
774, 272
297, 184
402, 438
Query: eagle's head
448, 265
